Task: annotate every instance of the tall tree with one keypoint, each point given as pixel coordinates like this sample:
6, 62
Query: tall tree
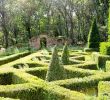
4, 21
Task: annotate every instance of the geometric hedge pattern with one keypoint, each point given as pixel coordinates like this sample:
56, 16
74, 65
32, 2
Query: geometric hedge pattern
24, 79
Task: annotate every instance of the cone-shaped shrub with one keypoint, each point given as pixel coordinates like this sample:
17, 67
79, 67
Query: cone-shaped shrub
65, 55
109, 25
94, 37
55, 70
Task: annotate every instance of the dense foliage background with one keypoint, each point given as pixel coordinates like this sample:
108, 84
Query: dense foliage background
20, 20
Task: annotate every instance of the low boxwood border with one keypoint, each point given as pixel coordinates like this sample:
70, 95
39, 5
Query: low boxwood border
8, 59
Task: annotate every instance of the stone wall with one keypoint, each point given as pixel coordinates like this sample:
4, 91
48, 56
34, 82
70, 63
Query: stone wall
51, 41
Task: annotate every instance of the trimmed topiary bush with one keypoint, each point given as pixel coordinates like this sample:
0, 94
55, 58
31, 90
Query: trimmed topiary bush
100, 60
89, 65
104, 90
105, 48
78, 72
37, 89
55, 70
94, 37
81, 58
65, 55
39, 72
90, 49
8, 59
107, 66
78, 84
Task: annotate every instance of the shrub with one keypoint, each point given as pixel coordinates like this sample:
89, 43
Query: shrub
74, 61
81, 57
90, 49
69, 70
104, 90
29, 64
83, 83
89, 65
55, 92
39, 72
94, 56
8, 59
65, 55
94, 37
107, 66
105, 48
37, 89
8, 78
40, 91
28, 87
100, 60
55, 70
73, 72
22, 91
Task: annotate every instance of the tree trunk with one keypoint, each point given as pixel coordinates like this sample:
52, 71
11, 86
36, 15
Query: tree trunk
15, 34
4, 29
6, 34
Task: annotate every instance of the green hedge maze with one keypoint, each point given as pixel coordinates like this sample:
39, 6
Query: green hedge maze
86, 76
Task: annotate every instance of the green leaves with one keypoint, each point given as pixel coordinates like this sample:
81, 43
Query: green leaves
65, 55
94, 36
105, 48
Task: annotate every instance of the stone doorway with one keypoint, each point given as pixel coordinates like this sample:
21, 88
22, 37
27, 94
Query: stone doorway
43, 42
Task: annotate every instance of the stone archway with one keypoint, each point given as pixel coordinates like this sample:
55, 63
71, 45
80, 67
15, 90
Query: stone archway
61, 40
43, 42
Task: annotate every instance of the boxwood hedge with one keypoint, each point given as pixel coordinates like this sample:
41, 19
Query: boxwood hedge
37, 89
105, 48
104, 90
83, 83
78, 72
107, 66
88, 65
29, 84
8, 59
100, 60
69, 71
